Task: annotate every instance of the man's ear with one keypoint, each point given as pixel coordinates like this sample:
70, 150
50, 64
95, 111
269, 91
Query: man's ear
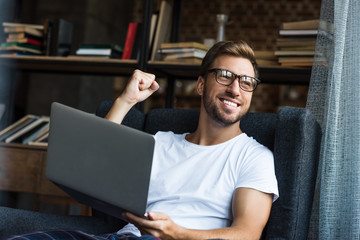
200, 85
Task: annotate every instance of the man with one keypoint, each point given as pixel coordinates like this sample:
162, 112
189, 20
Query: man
215, 182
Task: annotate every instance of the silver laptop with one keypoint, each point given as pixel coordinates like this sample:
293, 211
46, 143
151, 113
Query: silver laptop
99, 163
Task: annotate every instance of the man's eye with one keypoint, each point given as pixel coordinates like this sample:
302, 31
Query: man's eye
246, 81
226, 77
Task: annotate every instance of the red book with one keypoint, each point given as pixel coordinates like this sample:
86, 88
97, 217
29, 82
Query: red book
129, 41
25, 40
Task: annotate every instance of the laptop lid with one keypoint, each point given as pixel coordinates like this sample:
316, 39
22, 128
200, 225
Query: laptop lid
99, 163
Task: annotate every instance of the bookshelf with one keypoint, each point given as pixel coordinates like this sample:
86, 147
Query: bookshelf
119, 67
69, 65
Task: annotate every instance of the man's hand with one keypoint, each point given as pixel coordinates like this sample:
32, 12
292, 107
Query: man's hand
251, 210
158, 225
139, 87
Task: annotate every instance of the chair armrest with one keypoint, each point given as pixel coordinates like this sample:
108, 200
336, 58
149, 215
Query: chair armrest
296, 153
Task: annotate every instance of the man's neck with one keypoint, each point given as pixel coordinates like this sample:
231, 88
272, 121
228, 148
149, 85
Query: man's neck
211, 133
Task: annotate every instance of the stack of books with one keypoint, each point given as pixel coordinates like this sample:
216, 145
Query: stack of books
191, 52
31, 129
100, 50
296, 43
22, 39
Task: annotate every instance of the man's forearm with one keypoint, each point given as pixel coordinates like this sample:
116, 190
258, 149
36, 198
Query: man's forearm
221, 233
118, 110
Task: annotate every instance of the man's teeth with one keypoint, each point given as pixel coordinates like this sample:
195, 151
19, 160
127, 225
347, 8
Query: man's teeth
230, 103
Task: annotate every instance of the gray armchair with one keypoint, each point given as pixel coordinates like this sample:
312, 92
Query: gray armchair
292, 134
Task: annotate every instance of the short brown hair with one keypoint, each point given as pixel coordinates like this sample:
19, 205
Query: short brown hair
231, 48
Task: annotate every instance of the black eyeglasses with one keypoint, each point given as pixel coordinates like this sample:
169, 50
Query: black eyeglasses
226, 78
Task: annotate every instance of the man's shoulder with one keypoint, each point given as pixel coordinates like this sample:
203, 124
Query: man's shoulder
252, 144
163, 135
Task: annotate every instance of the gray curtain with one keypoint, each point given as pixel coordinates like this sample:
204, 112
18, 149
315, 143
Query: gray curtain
334, 98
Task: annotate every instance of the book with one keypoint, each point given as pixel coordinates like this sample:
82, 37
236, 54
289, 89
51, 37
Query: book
26, 129
298, 25
28, 134
129, 41
25, 40
163, 28
265, 58
299, 61
16, 126
296, 40
195, 54
185, 45
40, 144
42, 136
100, 50
303, 32
22, 35
191, 60
297, 48
13, 24
153, 27
297, 64
32, 31
22, 47
38, 132
179, 50
295, 59
294, 53
41, 140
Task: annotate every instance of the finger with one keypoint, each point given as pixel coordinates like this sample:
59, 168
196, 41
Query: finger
147, 83
157, 216
145, 80
154, 86
139, 221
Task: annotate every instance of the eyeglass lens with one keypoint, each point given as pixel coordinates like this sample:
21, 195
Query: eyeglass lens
226, 78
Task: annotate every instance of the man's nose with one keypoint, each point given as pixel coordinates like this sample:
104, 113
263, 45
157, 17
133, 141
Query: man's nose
234, 88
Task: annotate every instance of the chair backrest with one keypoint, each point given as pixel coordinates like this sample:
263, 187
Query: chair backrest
294, 137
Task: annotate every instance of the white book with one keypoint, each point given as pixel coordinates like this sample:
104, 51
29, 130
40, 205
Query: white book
27, 129
185, 55
12, 24
93, 51
298, 32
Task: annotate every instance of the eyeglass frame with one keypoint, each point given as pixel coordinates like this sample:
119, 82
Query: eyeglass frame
236, 76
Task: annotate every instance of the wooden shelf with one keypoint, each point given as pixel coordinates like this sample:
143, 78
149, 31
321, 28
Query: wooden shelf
81, 65
104, 66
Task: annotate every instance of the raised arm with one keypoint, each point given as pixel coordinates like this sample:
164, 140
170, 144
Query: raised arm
139, 87
251, 210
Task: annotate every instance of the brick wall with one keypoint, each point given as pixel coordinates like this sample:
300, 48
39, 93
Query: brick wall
255, 21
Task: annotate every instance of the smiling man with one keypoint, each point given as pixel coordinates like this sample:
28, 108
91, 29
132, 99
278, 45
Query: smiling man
215, 182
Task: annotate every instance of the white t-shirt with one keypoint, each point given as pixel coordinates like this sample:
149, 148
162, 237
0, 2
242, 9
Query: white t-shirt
194, 184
